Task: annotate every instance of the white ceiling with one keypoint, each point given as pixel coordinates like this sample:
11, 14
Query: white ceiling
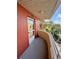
43, 9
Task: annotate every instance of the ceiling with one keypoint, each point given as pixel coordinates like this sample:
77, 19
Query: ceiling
43, 9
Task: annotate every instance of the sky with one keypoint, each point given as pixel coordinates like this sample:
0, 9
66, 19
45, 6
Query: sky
56, 18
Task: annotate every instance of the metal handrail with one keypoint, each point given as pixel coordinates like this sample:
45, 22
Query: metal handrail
56, 50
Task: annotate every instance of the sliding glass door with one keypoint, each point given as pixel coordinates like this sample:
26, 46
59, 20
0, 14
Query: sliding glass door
30, 22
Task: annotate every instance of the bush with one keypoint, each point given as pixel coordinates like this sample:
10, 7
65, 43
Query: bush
55, 33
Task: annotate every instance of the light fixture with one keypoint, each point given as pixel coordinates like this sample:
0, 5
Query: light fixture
41, 12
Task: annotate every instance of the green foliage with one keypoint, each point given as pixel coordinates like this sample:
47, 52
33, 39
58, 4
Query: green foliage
48, 27
56, 31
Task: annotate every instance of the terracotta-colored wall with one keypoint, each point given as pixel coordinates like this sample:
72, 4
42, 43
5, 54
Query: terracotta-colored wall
22, 31
36, 27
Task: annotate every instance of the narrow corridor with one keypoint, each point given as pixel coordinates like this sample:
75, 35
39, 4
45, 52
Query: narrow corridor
36, 50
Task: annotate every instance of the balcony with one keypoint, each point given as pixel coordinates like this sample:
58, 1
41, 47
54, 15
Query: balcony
31, 18
42, 47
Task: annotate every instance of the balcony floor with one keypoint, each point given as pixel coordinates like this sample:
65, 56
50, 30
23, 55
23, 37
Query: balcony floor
36, 50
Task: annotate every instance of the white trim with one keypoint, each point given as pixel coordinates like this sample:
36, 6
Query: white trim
29, 18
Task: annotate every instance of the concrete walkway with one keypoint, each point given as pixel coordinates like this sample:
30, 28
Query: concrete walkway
36, 50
